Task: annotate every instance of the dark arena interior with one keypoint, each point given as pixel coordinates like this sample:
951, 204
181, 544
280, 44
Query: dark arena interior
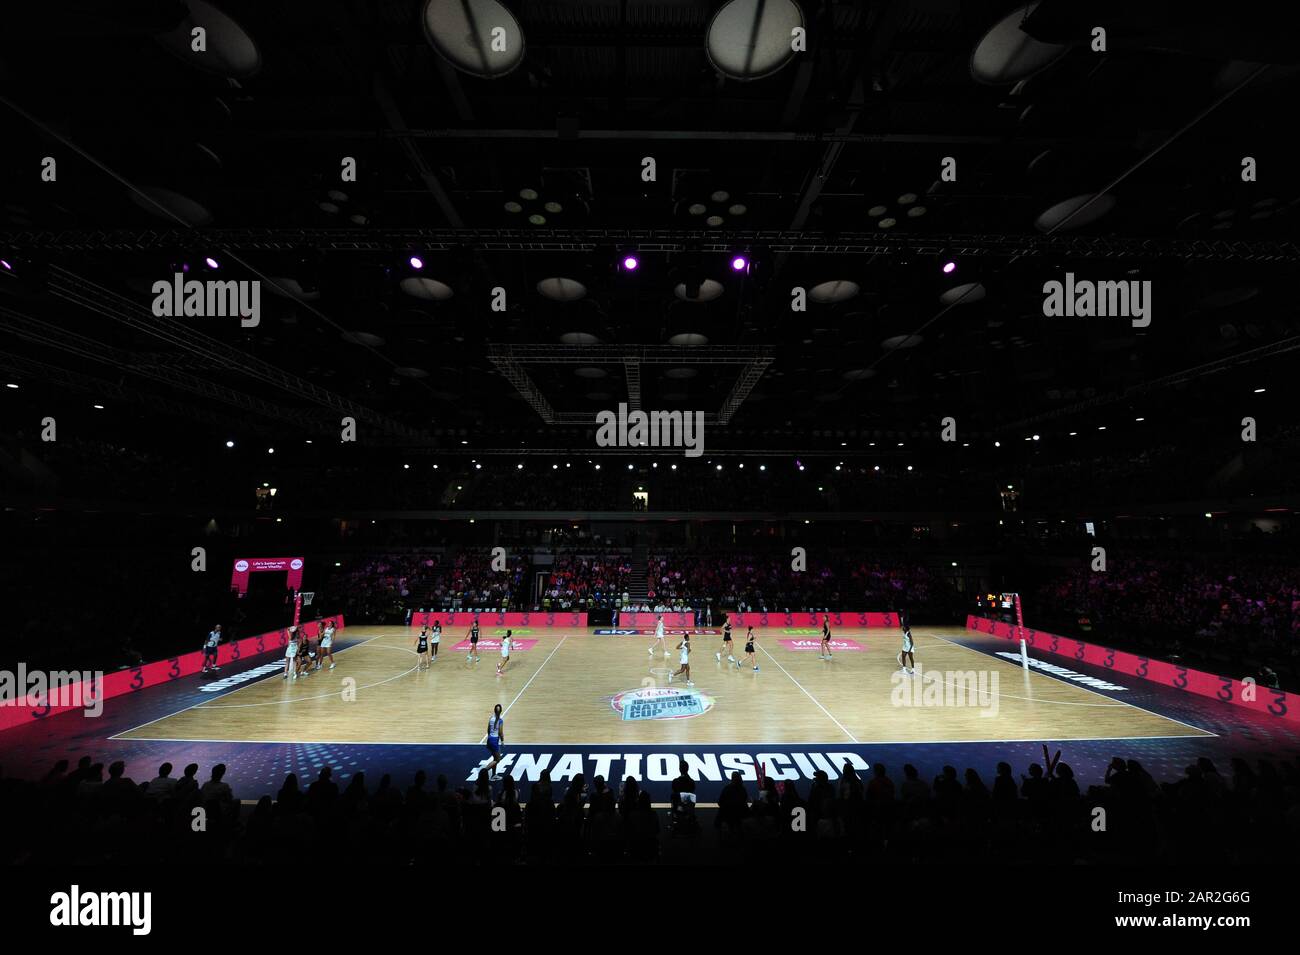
625, 433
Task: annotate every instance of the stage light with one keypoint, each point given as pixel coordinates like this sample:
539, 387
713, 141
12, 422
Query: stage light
629, 467
270, 450
741, 464
837, 467
435, 467
877, 467
597, 467
1073, 433
739, 263
949, 268
1102, 428
11, 385
230, 444
212, 263
463, 441
555, 467
762, 467
1259, 391
7, 266
1035, 437
674, 467
997, 444
478, 467
98, 407
719, 468
406, 467
909, 467
655, 464
1139, 419
519, 467
630, 263
417, 263
1208, 514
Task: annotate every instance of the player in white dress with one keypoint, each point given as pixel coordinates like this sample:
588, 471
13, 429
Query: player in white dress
327, 643
685, 660
659, 637
434, 639
505, 652
291, 655
905, 658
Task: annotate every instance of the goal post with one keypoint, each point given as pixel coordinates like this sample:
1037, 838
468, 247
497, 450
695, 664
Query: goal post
1014, 600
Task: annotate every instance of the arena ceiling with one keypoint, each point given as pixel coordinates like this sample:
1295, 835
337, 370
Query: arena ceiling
523, 171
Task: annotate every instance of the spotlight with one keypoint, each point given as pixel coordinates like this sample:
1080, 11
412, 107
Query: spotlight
762, 467
630, 263
270, 450
519, 467
230, 444
1035, 437
212, 263
719, 468
417, 263
739, 263
949, 268
6, 265
1259, 391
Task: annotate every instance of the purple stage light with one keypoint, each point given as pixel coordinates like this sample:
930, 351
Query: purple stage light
630, 263
949, 267
739, 263
417, 262
7, 266
212, 263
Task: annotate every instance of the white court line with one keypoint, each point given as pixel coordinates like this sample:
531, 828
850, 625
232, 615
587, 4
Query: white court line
526, 685
233, 691
1055, 678
809, 695
648, 747
319, 696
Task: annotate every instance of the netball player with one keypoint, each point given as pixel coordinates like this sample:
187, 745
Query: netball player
327, 643
434, 639
826, 638
749, 650
659, 636
473, 643
905, 658
684, 660
210, 650
422, 648
291, 655
496, 738
505, 652
727, 646
304, 655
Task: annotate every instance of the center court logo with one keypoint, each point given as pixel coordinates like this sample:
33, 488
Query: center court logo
660, 703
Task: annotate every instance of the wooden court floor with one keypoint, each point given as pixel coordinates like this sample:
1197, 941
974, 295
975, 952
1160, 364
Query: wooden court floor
559, 690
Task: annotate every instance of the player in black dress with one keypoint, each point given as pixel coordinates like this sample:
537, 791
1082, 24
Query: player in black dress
826, 638
749, 650
473, 643
422, 648
727, 646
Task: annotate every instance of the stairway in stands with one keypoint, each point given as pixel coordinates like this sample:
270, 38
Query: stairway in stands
637, 585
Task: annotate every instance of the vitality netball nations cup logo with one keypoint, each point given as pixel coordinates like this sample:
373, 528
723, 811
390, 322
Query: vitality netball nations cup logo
660, 703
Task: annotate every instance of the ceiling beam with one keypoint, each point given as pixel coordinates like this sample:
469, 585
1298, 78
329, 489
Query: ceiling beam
998, 245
